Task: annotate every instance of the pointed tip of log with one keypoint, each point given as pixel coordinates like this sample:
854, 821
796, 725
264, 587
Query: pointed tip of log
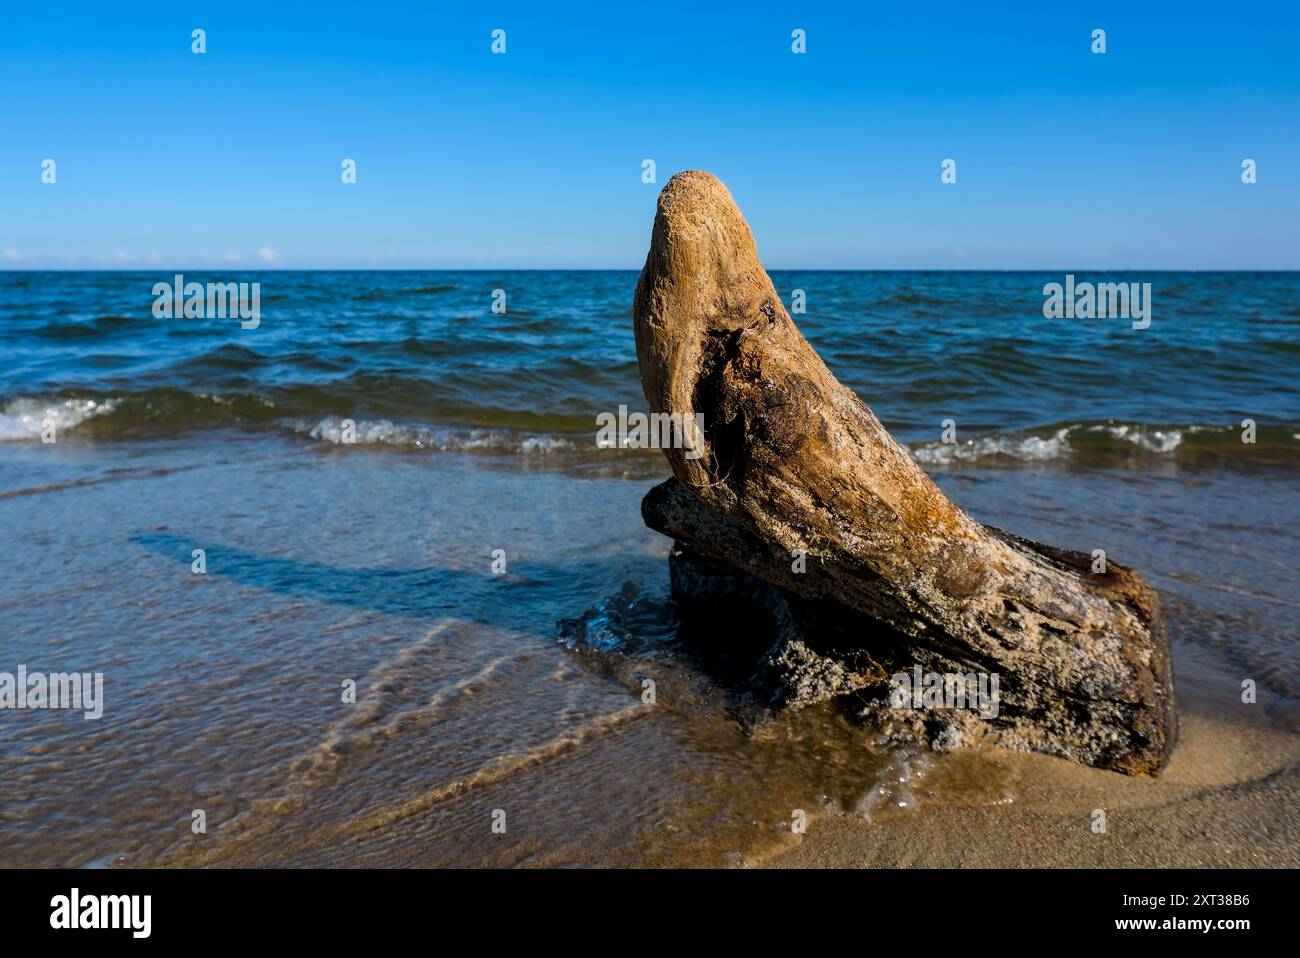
697, 222
703, 263
695, 192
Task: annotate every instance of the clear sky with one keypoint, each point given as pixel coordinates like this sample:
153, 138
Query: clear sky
1065, 158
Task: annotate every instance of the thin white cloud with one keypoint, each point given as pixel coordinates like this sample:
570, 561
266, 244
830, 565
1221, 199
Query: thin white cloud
267, 255
13, 254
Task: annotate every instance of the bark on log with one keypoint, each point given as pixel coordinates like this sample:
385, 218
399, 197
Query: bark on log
896, 573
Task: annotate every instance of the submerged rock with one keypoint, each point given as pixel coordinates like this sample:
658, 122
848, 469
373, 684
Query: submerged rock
802, 506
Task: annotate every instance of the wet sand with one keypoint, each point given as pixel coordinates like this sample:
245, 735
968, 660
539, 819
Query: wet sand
1228, 799
222, 690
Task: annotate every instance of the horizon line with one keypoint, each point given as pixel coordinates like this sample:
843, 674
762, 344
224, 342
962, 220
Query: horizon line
155, 270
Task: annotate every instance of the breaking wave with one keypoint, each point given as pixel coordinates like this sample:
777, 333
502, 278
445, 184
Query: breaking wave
169, 412
28, 418
383, 432
1116, 443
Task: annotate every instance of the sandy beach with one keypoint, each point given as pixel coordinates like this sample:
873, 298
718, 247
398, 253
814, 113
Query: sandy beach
222, 690
1227, 800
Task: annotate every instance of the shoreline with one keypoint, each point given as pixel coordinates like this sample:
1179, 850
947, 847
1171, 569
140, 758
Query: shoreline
1225, 800
309, 582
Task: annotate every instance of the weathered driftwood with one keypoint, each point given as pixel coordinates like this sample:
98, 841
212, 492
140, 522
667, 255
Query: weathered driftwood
896, 574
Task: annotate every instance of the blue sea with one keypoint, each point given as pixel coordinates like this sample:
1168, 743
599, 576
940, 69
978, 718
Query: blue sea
1176, 448
420, 361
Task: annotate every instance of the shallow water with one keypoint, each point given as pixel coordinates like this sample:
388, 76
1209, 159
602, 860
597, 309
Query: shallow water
373, 563
324, 564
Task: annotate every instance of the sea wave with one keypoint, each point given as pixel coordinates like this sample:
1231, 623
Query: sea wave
1023, 448
25, 418
171, 413
339, 431
1113, 443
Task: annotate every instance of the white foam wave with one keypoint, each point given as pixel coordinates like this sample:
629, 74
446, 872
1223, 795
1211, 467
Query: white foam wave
24, 419
1057, 445
1152, 440
1028, 448
384, 432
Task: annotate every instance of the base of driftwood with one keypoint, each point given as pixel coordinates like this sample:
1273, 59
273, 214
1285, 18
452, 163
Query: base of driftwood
818, 650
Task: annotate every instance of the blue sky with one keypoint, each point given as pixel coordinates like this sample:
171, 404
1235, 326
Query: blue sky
1065, 158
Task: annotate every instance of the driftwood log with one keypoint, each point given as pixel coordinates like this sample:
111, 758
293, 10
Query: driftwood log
895, 576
